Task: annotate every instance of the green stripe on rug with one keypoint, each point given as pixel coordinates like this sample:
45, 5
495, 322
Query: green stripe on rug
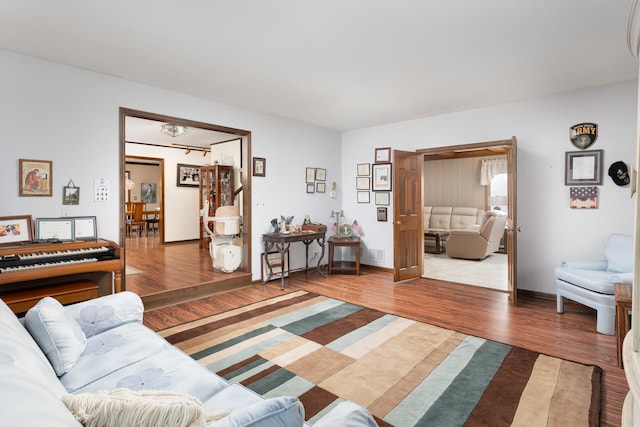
406, 373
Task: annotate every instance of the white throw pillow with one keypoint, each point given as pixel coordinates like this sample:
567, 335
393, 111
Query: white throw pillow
147, 408
58, 335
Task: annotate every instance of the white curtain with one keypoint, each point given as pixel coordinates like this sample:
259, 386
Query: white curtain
490, 168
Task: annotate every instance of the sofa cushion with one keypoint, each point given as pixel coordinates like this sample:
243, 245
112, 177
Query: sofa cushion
151, 408
107, 312
593, 280
57, 334
440, 218
465, 218
273, 412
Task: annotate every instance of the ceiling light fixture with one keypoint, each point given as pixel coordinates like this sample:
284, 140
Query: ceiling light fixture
173, 130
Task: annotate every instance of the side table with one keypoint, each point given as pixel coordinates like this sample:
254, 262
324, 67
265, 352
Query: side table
344, 266
622, 293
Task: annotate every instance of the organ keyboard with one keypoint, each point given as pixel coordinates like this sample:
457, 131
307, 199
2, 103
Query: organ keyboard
47, 261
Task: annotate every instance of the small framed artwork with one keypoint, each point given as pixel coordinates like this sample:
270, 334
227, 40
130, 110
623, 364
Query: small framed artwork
382, 177
148, 192
85, 228
321, 187
584, 197
259, 166
311, 188
383, 198
382, 214
583, 167
364, 169
15, 229
363, 183
364, 197
35, 177
188, 175
321, 174
62, 229
383, 155
311, 175
71, 195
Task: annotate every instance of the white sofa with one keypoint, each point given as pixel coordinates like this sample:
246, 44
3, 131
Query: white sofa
57, 353
447, 218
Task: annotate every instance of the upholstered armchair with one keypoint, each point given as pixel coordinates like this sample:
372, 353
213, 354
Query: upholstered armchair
478, 243
591, 283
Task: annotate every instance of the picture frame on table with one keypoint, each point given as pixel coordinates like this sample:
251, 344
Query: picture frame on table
383, 155
381, 177
188, 175
15, 229
62, 229
583, 167
364, 197
259, 166
85, 228
36, 178
383, 198
364, 169
310, 175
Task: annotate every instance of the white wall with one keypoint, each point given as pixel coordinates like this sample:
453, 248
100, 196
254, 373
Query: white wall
551, 231
70, 116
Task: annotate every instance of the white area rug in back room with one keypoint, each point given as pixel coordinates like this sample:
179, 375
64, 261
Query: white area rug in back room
491, 272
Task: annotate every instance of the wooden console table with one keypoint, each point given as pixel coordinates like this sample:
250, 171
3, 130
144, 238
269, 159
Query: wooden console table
344, 266
281, 243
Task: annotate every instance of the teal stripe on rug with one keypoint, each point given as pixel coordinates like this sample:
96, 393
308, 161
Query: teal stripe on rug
270, 381
309, 323
219, 347
301, 313
455, 405
247, 371
296, 386
361, 333
413, 407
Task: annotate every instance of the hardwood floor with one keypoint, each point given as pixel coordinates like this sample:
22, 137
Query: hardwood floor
534, 324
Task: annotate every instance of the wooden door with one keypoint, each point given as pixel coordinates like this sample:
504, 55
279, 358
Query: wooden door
408, 224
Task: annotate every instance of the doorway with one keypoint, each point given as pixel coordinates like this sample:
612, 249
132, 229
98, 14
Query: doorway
505, 148
241, 138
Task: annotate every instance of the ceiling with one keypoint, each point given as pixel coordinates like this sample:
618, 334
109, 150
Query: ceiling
334, 63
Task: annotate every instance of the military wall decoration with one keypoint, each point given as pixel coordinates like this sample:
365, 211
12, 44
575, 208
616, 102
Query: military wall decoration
583, 135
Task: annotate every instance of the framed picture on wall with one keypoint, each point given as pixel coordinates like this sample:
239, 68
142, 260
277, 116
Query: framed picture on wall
583, 167
382, 214
187, 175
148, 192
35, 177
382, 177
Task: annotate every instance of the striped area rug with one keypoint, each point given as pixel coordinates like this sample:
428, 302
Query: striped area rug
406, 373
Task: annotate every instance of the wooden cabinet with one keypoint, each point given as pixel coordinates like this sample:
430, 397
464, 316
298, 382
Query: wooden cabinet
216, 187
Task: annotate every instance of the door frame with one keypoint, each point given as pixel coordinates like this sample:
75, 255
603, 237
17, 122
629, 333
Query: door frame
483, 149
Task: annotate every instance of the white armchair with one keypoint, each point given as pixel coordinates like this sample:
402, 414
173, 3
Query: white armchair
591, 282
478, 243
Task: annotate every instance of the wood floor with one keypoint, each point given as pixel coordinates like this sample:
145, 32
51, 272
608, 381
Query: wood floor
534, 324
